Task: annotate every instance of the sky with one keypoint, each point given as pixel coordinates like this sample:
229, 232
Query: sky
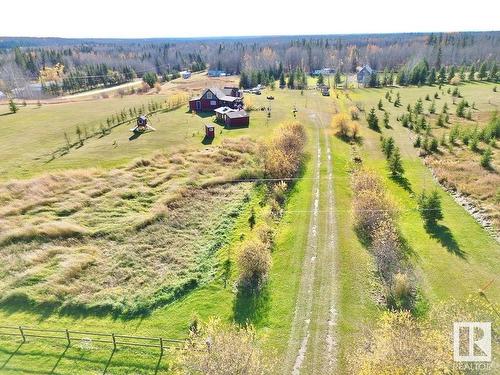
196, 18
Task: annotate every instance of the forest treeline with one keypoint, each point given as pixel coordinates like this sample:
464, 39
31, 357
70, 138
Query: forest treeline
109, 62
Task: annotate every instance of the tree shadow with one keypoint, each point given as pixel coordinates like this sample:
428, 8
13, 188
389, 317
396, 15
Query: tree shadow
403, 182
6, 114
445, 237
251, 306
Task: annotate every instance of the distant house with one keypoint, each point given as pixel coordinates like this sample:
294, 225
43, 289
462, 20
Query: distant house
185, 74
232, 117
213, 98
216, 73
323, 71
364, 74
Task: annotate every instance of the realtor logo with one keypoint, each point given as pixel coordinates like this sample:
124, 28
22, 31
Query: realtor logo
472, 341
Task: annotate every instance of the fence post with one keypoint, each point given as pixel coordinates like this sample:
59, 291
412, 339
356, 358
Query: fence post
114, 341
67, 337
22, 333
161, 346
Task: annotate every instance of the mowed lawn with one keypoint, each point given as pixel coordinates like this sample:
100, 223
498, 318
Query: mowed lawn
30, 136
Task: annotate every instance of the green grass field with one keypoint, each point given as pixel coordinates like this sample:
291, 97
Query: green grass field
451, 263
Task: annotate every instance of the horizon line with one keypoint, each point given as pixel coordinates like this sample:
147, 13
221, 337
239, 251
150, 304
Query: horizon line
245, 36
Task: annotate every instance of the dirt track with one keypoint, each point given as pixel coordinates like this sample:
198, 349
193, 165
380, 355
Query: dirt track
312, 345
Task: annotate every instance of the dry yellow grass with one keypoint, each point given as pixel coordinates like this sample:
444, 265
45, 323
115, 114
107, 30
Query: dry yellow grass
123, 239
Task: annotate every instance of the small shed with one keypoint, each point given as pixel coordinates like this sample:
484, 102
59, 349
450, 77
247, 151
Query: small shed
209, 131
185, 74
237, 118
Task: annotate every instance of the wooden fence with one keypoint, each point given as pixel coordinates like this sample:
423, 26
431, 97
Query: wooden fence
24, 333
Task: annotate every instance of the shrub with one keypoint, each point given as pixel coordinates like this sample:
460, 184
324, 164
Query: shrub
366, 180
429, 206
217, 349
150, 78
370, 210
403, 345
417, 142
254, 262
354, 111
385, 248
284, 152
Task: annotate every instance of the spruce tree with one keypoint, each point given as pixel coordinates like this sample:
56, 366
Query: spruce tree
13, 106
482, 71
372, 120
386, 119
282, 80
472, 72
431, 78
395, 163
429, 206
493, 76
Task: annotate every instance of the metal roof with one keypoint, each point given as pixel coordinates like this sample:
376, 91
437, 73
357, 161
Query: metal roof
237, 114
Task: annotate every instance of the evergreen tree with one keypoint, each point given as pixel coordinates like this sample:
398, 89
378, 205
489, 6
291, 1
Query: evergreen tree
321, 79
432, 108
482, 71
472, 72
372, 120
396, 164
451, 73
493, 76
442, 75
13, 106
397, 102
291, 80
337, 78
486, 158
440, 121
431, 78
380, 105
282, 80
388, 146
386, 119
429, 206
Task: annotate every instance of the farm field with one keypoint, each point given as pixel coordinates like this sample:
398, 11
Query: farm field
322, 271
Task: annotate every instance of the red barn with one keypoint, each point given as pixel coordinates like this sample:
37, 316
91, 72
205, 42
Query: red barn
213, 98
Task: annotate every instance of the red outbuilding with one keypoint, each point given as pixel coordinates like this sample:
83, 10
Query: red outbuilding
237, 118
209, 131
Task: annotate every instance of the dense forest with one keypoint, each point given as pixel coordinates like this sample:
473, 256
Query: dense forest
73, 65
